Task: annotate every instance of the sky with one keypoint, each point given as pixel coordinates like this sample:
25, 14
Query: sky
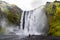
28, 4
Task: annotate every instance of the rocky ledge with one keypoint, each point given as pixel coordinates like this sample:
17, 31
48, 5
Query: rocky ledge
32, 37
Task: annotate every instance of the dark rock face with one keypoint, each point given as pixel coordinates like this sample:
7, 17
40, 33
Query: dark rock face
10, 14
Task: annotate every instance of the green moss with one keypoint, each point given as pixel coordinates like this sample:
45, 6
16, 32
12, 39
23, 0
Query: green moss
53, 14
12, 13
13, 18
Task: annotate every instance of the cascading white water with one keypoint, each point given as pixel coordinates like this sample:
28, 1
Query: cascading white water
34, 22
27, 21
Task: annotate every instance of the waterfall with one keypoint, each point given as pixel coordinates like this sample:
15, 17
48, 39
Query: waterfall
34, 22
24, 25
27, 21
